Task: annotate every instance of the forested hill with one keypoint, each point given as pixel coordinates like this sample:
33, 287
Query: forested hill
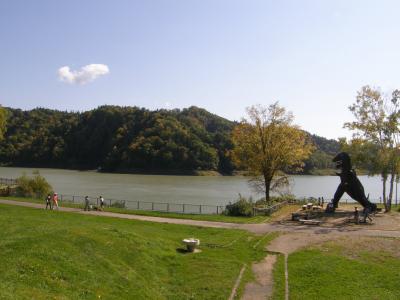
128, 139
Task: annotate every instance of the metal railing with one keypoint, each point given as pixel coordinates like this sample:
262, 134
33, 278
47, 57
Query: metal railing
184, 208
8, 181
271, 209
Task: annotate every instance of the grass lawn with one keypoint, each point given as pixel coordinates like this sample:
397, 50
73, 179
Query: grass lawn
356, 268
60, 255
214, 217
279, 278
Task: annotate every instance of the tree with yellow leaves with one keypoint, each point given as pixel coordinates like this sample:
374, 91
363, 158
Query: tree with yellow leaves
268, 144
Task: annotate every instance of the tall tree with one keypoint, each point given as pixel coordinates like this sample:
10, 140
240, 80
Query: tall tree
3, 120
376, 137
267, 143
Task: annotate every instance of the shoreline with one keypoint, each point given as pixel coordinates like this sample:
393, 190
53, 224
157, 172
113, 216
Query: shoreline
211, 173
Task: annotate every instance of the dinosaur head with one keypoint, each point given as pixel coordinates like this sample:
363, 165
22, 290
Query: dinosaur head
342, 161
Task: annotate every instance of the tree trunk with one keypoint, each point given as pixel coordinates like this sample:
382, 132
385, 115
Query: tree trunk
384, 179
267, 187
389, 202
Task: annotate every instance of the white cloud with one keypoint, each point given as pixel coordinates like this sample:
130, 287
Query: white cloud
85, 75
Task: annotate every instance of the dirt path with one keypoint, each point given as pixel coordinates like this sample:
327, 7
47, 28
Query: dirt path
261, 289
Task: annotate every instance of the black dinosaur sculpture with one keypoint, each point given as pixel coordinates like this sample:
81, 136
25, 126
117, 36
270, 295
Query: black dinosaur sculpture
350, 184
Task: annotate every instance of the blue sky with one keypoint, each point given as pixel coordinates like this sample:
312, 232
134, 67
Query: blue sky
311, 56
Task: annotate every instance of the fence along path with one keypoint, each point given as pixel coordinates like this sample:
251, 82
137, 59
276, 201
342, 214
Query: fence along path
137, 204
147, 205
8, 181
163, 206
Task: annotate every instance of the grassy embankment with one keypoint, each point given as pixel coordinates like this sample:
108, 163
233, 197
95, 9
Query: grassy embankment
62, 255
352, 268
204, 217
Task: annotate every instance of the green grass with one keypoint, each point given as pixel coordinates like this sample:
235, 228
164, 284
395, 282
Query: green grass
213, 218
204, 217
328, 274
60, 255
279, 278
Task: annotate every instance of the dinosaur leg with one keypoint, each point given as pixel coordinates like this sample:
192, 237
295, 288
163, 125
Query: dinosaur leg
356, 192
338, 194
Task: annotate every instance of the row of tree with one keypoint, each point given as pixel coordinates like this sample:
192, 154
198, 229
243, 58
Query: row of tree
130, 139
375, 145
267, 143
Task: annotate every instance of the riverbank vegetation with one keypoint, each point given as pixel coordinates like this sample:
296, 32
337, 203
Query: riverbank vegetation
64, 255
33, 186
268, 144
130, 139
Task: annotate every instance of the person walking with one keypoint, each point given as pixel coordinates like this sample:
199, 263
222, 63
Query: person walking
48, 202
55, 201
86, 203
101, 203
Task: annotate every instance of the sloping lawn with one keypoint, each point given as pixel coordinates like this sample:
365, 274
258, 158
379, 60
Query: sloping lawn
59, 255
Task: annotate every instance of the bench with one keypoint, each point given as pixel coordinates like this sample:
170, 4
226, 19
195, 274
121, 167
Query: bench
310, 222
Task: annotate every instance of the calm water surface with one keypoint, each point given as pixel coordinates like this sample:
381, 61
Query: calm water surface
207, 190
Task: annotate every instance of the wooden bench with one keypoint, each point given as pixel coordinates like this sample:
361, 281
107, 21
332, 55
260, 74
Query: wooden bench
310, 222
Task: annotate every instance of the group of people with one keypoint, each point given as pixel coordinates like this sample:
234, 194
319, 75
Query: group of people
52, 201
321, 201
89, 207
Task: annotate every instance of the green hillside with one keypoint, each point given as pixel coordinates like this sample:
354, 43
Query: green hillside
129, 139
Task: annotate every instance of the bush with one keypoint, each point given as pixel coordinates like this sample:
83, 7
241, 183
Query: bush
276, 199
242, 207
36, 186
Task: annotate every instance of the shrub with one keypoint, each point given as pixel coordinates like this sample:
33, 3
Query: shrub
242, 207
36, 186
276, 199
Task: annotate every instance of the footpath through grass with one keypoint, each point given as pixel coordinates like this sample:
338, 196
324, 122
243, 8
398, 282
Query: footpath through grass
361, 268
203, 217
278, 292
60, 255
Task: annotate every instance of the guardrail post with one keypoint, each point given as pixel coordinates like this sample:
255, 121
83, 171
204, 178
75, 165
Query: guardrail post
183, 206
110, 202
200, 209
73, 198
217, 210
138, 205
167, 206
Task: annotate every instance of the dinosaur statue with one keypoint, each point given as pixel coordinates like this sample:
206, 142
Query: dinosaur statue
350, 184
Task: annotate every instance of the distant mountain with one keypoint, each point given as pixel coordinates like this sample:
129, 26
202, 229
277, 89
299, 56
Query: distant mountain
320, 161
129, 139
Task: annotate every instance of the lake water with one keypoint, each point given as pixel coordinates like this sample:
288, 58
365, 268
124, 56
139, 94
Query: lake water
205, 190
